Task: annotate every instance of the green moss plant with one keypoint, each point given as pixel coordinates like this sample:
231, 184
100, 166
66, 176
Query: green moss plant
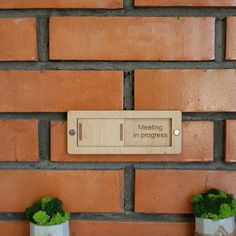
48, 211
214, 204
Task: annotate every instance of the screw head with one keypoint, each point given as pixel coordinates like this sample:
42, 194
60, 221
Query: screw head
71, 132
176, 132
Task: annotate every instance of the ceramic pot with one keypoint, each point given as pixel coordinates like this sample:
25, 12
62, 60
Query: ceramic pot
53, 230
218, 227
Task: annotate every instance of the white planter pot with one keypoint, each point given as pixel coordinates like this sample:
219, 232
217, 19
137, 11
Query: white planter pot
54, 230
210, 227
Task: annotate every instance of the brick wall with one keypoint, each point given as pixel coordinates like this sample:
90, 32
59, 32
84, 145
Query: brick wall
57, 56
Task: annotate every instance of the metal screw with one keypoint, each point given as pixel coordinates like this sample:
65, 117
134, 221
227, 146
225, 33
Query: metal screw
176, 132
71, 132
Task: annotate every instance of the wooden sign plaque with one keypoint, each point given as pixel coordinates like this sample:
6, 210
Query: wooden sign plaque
124, 132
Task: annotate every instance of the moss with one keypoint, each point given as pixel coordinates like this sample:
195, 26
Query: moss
29, 212
214, 204
47, 211
41, 218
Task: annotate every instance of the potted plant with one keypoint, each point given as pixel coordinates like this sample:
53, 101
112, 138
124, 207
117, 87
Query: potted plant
48, 218
214, 213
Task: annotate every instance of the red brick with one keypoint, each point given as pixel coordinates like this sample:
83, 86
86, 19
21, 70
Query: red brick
185, 3
231, 39
13, 228
81, 191
186, 90
18, 39
107, 228
171, 191
60, 91
16, 4
197, 146
132, 38
19, 140
231, 141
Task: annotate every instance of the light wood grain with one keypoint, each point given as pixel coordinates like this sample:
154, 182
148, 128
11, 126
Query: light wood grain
101, 132
148, 132
124, 132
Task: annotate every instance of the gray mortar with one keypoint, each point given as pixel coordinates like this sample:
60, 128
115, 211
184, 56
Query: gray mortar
43, 38
220, 30
43, 18
219, 141
44, 140
128, 90
121, 217
129, 188
116, 65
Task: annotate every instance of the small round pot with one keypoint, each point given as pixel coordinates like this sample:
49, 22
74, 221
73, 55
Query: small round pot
53, 230
218, 227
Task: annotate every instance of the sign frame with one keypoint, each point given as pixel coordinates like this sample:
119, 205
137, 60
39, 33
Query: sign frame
74, 131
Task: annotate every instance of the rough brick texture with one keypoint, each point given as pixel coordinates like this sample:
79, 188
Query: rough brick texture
54, 91
81, 191
91, 228
231, 38
186, 90
185, 3
197, 146
231, 141
9, 228
171, 191
19, 140
103, 38
14, 4
96, 228
18, 39
62, 55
